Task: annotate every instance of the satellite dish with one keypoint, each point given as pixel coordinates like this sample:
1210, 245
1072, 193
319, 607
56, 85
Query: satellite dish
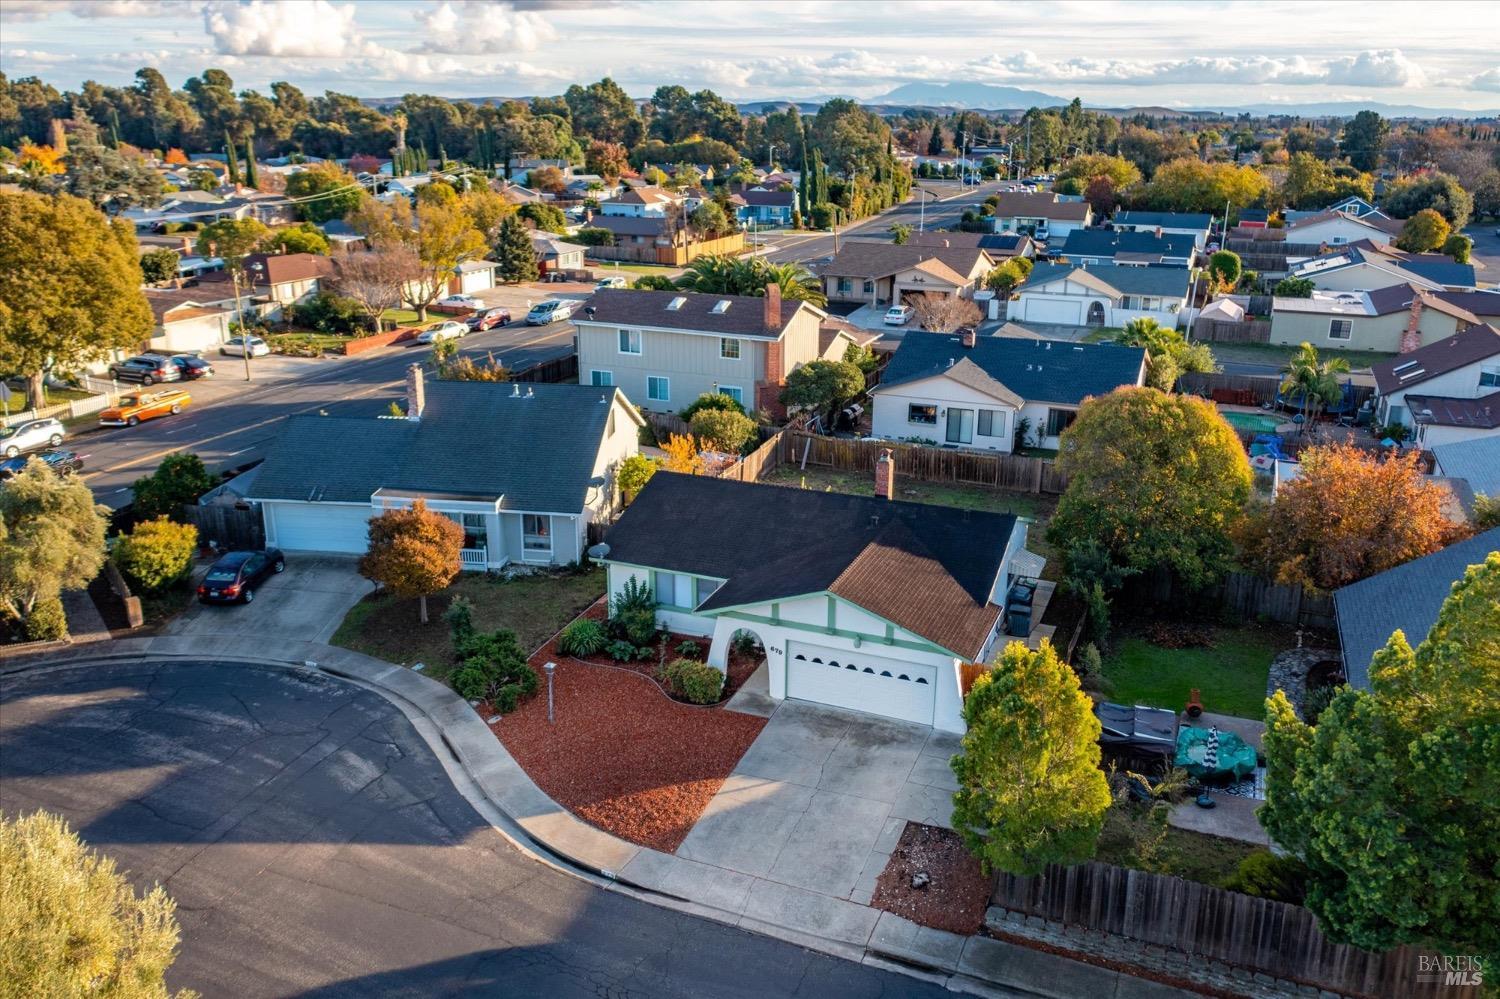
599, 551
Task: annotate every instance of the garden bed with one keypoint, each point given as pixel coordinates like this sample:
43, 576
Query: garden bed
956, 893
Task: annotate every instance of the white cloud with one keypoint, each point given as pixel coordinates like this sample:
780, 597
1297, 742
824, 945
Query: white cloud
467, 28
313, 29
1488, 81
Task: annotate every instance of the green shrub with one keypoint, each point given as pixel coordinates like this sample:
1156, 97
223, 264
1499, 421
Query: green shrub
644, 652
1317, 701
621, 651
1265, 875
493, 668
583, 637
689, 649
179, 480
157, 553
634, 473
633, 613
691, 680
653, 282
747, 644
1089, 667
723, 430
46, 622
716, 401
329, 314
460, 618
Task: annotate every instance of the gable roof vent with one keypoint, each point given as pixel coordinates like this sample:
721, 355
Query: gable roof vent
676, 303
722, 306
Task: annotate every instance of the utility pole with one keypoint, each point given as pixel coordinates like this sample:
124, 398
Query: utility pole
1028, 144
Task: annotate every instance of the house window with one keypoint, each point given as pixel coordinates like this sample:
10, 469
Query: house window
869, 287
845, 285
734, 392
602, 379
630, 341
729, 348
475, 534
536, 533
1340, 329
658, 389
921, 414
1489, 377
705, 588
1130, 302
674, 589
991, 423
1059, 420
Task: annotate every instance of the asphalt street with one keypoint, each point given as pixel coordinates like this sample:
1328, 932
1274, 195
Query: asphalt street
230, 421
315, 847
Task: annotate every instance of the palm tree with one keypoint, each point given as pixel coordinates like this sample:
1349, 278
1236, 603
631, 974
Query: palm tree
796, 282
718, 274
1314, 379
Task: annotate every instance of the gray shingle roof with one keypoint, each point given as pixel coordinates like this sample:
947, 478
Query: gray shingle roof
1035, 370
1407, 597
1476, 461
1039, 204
1149, 280
1167, 220
474, 439
929, 569
1106, 243
745, 316
1465, 347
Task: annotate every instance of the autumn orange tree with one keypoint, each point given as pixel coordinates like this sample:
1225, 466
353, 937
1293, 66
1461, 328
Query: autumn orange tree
682, 455
1347, 515
413, 552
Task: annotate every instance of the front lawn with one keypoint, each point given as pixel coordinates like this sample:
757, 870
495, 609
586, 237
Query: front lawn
533, 606
392, 318
1231, 675
54, 395
1132, 837
307, 344
607, 267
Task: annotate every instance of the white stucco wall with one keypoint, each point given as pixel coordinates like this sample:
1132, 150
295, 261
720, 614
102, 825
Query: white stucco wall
892, 406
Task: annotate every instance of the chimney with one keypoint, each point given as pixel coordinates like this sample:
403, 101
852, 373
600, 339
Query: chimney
773, 308
1411, 338
948, 242
187, 245
885, 475
966, 337
416, 392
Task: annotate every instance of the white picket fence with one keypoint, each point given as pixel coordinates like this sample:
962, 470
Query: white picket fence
65, 410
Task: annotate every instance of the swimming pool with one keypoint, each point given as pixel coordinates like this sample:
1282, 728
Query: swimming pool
1260, 423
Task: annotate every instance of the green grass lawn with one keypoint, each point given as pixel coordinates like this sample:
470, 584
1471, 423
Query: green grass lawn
610, 266
1231, 676
403, 317
55, 396
1279, 354
328, 342
1104, 334
1131, 839
535, 607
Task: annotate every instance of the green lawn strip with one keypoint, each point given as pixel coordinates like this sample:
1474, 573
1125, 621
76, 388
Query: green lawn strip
1103, 334
535, 607
609, 266
55, 396
1231, 676
392, 318
1131, 838
325, 341
1280, 354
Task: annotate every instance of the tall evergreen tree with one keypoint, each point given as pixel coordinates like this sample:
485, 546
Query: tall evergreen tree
231, 161
252, 178
513, 251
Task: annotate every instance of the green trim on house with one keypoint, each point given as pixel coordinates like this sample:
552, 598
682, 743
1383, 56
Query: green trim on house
833, 610
857, 637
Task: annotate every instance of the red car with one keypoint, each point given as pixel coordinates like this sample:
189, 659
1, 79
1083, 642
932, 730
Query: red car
488, 319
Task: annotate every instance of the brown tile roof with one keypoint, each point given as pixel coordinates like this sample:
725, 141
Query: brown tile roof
1444, 411
875, 260
645, 196
1449, 354
745, 316
279, 268
1039, 204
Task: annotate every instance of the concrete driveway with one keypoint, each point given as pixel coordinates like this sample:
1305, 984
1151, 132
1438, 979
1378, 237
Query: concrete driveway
819, 800
306, 603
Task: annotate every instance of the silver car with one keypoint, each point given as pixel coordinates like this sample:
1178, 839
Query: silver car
29, 436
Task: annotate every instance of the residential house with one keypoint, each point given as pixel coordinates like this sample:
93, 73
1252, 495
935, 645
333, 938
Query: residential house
1363, 265
1252, 218
516, 194
666, 348
189, 319
1106, 295
860, 602
631, 230
963, 390
271, 281
590, 185
1191, 224
1475, 462
473, 276
640, 202
1400, 318
341, 233
554, 254
1001, 246
1128, 249
1445, 391
772, 208
1408, 597
520, 167
1352, 205
1041, 214
524, 469
1484, 305
879, 274
1333, 228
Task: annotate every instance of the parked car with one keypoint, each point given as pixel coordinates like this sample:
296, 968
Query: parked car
148, 369
1041, 235
132, 409
552, 311
488, 319
613, 281
445, 331
899, 315
30, 435
461, 302
62, 462
192, 366
236, 346
234, 577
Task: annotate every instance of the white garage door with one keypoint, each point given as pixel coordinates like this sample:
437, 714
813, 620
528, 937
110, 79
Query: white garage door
1041, 311
875, 684
320, 527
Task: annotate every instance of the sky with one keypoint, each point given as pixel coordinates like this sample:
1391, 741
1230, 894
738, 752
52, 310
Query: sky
1198, 54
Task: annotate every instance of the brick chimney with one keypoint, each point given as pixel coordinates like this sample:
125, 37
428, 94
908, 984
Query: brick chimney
416, 392
1411, 337
966, 337
773, 308
885, 475
187, 245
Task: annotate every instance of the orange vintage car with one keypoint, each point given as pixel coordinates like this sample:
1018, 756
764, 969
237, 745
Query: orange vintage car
132, 409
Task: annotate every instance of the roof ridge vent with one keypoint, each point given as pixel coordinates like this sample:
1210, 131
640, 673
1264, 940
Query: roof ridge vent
515, 390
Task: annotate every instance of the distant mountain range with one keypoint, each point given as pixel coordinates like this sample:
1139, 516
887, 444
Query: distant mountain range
986, 96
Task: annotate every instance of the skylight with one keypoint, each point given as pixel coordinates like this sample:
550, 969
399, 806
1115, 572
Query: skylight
722, 306
676, 303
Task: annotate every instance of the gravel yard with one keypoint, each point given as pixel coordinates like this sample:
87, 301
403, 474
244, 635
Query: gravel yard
956, 891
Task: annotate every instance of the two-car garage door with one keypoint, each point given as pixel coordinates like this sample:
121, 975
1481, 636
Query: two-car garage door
874, 684
318, 527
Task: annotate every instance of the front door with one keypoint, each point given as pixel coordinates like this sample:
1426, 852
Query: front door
1096, 314
960, 426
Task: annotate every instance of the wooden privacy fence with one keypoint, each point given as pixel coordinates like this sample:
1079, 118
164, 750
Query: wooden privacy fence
758, 462
1220, 331
1274, 938
928, 464
559, 369
1260, 388
229, 527
1243, 595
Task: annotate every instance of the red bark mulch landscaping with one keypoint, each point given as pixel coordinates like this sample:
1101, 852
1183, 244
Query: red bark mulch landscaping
957, 892
740, 665
622, 755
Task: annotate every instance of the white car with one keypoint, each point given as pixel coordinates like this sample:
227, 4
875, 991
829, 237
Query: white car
551, 311
462, 302
613, 281
899, 315
29, 436
236, 346
446, 331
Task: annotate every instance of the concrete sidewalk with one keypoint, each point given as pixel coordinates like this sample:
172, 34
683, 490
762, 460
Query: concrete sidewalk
541, 827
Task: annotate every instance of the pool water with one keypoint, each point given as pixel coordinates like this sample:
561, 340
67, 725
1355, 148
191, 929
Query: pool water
1259, 423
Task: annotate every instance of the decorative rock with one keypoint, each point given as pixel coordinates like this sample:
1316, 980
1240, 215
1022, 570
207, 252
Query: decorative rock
1289, 671
921, 880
